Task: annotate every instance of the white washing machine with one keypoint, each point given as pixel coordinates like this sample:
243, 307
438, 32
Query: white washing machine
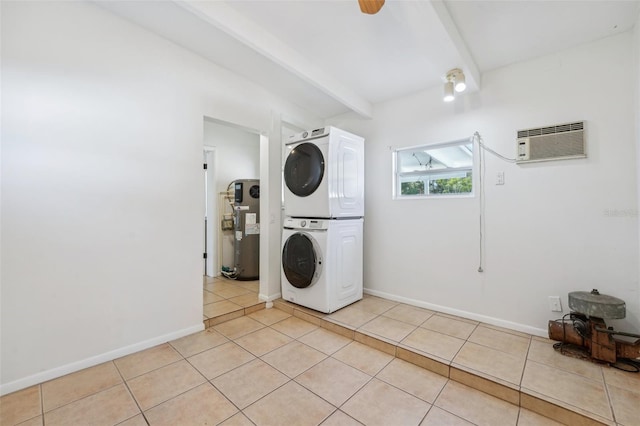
324, 174
322, 262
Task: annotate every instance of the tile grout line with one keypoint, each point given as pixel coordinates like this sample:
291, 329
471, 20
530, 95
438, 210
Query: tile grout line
265, 395
356, 392
321, 397
453, 414
499, 350
606, 390
461, 346
139, 414
79, 399
431, 404
409, 393
524, 367
202, 351
307, 369
234, 368
126, 384
175, 396
572, 373
337, 409
426, 414
152, 370
230, 402
438, 396
41, 401
303, 371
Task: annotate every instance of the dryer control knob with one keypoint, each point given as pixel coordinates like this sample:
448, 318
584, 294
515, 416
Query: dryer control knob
303, 223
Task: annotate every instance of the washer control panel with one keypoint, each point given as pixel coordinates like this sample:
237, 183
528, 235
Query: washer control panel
309, 134
296, 223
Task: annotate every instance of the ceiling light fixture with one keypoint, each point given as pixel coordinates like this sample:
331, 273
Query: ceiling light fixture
448, 91
454, 80
460, 83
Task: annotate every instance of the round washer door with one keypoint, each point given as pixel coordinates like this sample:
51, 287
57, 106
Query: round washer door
301, 262
304, 169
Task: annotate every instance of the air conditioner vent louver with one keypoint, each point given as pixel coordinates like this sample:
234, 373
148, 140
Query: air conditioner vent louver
563, 141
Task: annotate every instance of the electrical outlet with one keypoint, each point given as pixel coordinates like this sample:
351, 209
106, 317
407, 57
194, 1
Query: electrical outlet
554, 304
500, 178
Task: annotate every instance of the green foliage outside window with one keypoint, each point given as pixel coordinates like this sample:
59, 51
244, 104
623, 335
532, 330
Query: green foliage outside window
412, 188
458, 185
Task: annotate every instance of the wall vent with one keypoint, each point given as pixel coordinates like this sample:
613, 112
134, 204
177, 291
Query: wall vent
560, 142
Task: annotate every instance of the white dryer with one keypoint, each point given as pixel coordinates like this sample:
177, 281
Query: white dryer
322, 262
324, 174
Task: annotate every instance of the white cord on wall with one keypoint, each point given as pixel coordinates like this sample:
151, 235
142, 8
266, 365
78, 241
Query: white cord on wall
481, 168
481, 172
486, 148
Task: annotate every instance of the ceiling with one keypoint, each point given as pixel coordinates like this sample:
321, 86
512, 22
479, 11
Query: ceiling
330, 58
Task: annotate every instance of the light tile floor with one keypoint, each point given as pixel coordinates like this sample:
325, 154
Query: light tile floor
226, 299
515, 367
294, 366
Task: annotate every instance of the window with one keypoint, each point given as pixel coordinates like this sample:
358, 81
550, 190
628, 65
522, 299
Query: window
434, 170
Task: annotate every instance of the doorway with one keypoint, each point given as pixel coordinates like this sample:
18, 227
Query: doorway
231, 152
267, 163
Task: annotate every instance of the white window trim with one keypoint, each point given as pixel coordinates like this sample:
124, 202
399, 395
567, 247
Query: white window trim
395, 190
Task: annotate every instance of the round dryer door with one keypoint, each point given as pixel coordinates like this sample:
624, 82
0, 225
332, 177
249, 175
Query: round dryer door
300, 261
304, 169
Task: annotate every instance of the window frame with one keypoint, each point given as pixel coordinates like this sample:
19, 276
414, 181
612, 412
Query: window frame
397, 176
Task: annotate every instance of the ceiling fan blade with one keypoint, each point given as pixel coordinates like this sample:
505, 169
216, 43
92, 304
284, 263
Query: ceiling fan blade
370, 7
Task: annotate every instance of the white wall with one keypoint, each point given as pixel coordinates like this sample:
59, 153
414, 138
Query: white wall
237, 157
636, 71
554, 227
102, 132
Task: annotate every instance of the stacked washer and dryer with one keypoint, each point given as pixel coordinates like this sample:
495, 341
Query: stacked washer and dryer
324, 215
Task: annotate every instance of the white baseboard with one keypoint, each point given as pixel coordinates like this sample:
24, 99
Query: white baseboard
269, 298
54, 373
469, 315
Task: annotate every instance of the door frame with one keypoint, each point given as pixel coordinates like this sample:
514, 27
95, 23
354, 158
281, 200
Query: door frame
211, 213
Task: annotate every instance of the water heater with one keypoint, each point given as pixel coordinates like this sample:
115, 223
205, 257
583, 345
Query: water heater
246, 243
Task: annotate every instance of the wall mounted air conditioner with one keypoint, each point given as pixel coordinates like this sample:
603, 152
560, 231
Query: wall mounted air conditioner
560, 142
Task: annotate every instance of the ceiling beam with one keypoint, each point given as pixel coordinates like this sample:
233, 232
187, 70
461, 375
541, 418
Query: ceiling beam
469, 66
431, 26
227, 19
